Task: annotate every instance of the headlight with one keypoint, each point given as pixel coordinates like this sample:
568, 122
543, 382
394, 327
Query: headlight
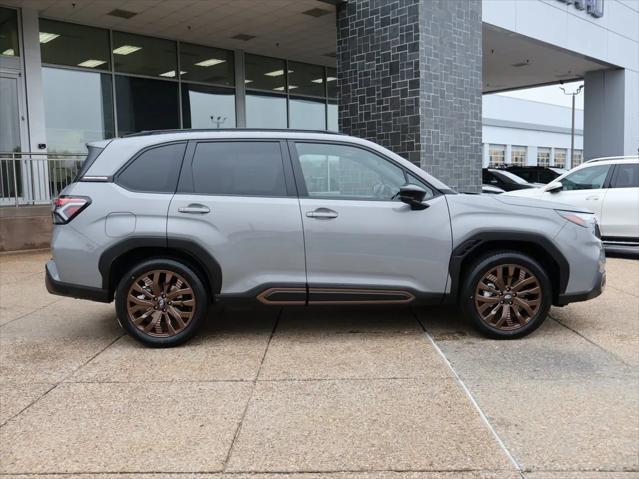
586, 220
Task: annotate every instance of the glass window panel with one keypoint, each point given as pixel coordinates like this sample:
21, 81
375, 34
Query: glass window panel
590, 178
74, 45
156, 170
9, 44
497, 155
543, 156
560, 157
239, 168
205, 64
338, 171
578, 158
626, 176
265, 111
307, 114
78, 108
265, 73
518, 155
331, 82
332, 124
144, 55
144, 104
305, 79
207, 107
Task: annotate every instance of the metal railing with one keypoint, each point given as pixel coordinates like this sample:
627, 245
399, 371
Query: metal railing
32, 178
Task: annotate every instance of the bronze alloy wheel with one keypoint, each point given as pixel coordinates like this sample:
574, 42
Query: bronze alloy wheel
160, 303
508, 296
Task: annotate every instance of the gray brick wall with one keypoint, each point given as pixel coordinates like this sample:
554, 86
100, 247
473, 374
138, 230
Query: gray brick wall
409, 78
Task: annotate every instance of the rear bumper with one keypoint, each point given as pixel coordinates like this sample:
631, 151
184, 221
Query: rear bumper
55, 286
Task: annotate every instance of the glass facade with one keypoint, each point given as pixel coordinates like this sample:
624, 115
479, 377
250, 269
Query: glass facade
577, 158
543, 156
9, 42
497, 155
560, 157
101, 83
78, 107
518, 155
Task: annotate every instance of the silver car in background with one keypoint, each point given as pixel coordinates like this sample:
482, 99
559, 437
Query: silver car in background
167, 223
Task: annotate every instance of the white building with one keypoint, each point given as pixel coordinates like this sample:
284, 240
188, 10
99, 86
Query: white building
525, 132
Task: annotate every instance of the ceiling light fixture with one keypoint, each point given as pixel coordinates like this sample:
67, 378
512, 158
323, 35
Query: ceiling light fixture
122, 13
126, 49
91, 63
318, 80
9, 52
47, 37
210, 62
279, 88
171, 74
330, 79
275, 73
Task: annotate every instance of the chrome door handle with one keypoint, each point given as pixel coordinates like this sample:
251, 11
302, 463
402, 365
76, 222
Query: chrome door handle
195, 209
322, 214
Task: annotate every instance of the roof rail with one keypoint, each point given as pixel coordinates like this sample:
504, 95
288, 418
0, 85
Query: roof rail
606, 158
216, 130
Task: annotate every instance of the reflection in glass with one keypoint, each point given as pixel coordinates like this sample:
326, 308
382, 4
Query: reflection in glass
144, 104
205, 64
9, 45
307, 114
265, 111
264, 73
331, 82
305, 79
78, 108
332, 123
144, 55
74, 45
207, 107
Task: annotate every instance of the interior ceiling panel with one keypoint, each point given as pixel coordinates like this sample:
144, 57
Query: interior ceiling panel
280, 27
512, 61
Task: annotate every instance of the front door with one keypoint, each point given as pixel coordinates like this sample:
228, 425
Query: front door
358, 236
237, 200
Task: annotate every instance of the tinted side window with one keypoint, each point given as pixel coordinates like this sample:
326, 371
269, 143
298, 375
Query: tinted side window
590, 178
340, 171
252, 168
626, 176
155, 170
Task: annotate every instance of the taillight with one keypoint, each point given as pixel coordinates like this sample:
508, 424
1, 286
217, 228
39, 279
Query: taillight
65, 208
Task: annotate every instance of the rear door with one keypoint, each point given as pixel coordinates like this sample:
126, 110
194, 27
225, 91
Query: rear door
620, 210
359, 236
237, 200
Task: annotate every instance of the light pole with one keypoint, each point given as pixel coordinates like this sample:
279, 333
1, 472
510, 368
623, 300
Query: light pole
572, 128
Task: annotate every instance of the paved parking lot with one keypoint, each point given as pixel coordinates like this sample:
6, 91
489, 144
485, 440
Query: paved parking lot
397, 393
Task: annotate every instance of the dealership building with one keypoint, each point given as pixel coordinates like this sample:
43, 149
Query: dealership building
408, 74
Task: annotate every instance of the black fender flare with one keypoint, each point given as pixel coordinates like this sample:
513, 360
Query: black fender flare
196, 253
475, 241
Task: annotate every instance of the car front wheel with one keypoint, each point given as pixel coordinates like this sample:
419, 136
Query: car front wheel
161, 302
506, 295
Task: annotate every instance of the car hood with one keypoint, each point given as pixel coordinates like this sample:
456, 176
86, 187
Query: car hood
536, 203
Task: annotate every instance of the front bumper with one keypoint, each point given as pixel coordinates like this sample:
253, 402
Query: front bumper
55, 286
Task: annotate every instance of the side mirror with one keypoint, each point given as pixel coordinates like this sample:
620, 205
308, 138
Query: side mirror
413, 196
554, 187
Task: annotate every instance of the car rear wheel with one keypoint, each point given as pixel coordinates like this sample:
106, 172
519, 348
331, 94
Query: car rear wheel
161, 302
506, 295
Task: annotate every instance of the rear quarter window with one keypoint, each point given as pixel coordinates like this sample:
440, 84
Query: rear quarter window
154, 170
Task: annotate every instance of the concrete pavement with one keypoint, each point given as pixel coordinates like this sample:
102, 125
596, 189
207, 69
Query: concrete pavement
331, 393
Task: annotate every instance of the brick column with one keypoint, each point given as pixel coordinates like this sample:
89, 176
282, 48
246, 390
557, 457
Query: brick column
409, 78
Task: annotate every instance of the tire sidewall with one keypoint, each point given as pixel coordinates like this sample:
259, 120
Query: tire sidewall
197, 285
477, 271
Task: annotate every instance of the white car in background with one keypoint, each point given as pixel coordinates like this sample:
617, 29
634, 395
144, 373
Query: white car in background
607, 186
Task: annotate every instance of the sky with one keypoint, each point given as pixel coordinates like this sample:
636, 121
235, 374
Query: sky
551, 94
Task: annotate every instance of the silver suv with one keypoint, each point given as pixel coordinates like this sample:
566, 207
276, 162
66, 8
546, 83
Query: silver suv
168, 223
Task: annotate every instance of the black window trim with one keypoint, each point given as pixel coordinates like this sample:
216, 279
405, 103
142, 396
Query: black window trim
301, 183
130, 161
185, 184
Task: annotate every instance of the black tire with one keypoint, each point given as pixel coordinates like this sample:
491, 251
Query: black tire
493, 300
172, 317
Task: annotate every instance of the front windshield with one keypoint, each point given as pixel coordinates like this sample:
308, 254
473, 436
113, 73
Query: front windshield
510, 176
